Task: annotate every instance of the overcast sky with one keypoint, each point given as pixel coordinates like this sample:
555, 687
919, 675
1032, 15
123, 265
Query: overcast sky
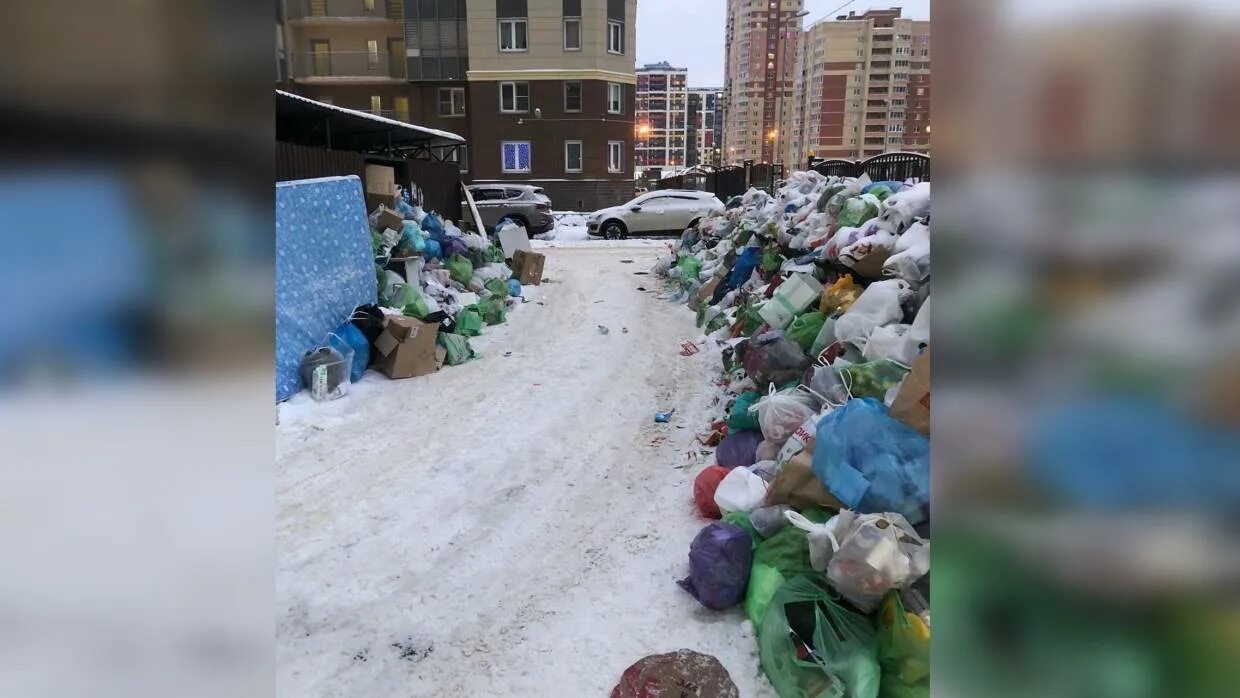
689, 33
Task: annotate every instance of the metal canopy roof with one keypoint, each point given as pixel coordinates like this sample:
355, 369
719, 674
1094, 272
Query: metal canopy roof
308, 122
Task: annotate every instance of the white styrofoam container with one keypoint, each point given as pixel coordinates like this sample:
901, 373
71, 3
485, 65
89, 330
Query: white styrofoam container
791, 299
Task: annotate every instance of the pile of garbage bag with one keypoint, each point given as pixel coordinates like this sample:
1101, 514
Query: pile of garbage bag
428, 269
818, 299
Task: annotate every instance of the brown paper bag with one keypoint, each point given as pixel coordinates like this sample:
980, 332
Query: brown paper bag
797, 486
912, 404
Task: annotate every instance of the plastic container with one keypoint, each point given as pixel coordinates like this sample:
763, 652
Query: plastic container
791, 299
325, 372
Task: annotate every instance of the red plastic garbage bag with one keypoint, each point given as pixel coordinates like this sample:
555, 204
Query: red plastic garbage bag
680, 673
704, 487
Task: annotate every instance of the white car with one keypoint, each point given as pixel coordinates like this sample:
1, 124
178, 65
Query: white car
667, 211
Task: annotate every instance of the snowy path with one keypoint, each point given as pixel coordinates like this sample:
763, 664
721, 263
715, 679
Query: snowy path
513, 526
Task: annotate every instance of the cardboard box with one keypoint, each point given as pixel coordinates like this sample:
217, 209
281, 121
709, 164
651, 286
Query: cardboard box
390, 219
704, 293
528, 267
406, 348
380, 179
797, 486
912, 403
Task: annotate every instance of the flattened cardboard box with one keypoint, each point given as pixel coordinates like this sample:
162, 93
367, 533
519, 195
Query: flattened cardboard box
704, 294
407, 348
390, 219
529, 267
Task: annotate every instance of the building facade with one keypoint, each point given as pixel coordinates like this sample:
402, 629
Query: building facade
662, 116
543, 90
760, 52
705, 126
863, 87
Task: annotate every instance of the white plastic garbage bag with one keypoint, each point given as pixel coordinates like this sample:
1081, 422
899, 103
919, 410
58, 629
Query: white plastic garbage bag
803, 438
902, 208
885, 342
910, 259
916, 339
822, 538
873, 554
780, 413
878, 305
740, 490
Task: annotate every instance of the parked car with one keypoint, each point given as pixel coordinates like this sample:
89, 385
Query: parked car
523, 203
667, 211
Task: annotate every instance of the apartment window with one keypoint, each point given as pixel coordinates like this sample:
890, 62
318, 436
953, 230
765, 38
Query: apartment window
615, 156
856, 90
925, 52
460, 155
369, 5
572, 96
372, 54
895, 128
921, 91
514, 97
572, 156
452, 101
376, 104
512, 35
515, 157
615, 98
615, 37
572, 33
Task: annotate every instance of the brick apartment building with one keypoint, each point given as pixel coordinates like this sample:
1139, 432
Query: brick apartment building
543, 90
662, 112
862, 87
705, 126
760, 51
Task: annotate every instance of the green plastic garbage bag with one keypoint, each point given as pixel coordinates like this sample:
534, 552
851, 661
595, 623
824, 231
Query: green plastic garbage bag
457, 347
776, 560
497, 288
740, 418
494, 254
716, 323
903, 651
460, 268
469, 322
805, 328
751, 320
880, 191
741, 518
811, 646
826, 336
410, 300
771, 262
872, 378
690, 267
829, 193
858, 210
493, 311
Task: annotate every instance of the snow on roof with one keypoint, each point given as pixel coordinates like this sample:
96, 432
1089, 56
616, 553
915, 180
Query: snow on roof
433, 132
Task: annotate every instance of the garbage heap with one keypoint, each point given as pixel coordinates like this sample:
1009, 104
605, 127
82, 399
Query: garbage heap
437, 287
819, 297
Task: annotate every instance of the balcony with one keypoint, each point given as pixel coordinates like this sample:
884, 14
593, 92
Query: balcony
348, 66
318, 11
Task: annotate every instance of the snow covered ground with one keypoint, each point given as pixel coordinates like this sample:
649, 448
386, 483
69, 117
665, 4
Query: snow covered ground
513, 526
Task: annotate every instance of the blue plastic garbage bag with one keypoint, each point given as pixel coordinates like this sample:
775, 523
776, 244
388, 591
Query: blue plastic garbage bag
348, 335
719, 561
1128, 451
873, 463
403, 208
433, 250
514, 288
746, 262
791, 208
433, 227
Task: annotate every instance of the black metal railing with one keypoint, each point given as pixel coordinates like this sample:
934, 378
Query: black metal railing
899, 166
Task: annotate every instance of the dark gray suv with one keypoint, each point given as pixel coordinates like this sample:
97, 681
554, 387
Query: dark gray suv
526, 204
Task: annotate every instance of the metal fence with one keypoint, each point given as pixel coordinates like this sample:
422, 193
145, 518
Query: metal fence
727, 182
348, 64
886, 167
311, 9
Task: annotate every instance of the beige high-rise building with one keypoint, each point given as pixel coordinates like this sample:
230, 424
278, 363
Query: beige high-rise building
862, 86
760, 63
